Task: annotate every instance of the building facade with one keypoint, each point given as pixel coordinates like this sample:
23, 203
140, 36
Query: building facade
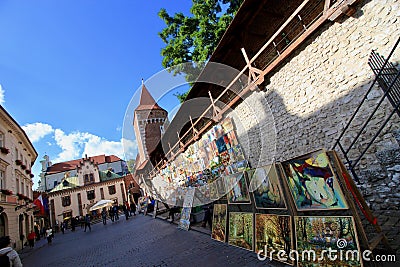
52, 174
17, 156
76, 194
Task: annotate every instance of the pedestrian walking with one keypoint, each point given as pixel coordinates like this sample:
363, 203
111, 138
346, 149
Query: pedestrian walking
87, 222
115, 210
111, 214
104, 216
128, 208
31, 239
126, 212
8, 256
63, 227
73, 224
49, 236
133, 209
37, 232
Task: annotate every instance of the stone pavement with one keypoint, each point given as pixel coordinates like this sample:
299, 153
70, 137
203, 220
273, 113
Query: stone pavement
139, 241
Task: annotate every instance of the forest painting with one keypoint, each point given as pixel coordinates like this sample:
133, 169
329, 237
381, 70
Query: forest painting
218, 231
273, 233
266, 188
239, 192
321, 234
312, 183
241, 230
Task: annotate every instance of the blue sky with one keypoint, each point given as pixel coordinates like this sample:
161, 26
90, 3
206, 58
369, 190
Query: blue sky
69, 69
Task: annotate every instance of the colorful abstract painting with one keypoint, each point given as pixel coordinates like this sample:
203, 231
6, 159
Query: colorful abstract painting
266, 188
273, 234
238, 191
241, 230
313, 184
218, 231
319, 235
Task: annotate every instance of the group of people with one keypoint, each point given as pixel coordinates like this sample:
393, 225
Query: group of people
113, 212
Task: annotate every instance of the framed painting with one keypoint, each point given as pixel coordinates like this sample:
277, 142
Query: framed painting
218, 231
184, 221
238, 191
312, 183
316, 236
241, 230
266, 188
273, 234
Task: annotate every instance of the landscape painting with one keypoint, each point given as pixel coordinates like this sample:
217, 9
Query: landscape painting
239, 193
273, 233
313, 184
321, 234
266, 188
218, 231
241, 230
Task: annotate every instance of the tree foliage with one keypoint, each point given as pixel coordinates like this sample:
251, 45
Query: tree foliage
194, 38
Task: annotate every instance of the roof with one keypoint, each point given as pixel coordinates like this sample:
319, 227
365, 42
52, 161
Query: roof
147, 102
73, 164
108, 175
67, 183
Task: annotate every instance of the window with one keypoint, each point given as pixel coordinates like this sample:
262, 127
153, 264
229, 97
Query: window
90, 195
2, 143
17, 185
22, 187
55, 183
27, 192
91, 177
66, 201
2, 180
16, 153
111, 190
102, 193
86, 178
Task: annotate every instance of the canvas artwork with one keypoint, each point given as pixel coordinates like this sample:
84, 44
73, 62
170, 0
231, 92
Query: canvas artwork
239, 192
273, 233
218, 231
227, 125
184, 221
241, 230
321, 234
312, 183
266, 188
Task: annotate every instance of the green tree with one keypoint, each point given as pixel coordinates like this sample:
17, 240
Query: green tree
194, 38
131, 165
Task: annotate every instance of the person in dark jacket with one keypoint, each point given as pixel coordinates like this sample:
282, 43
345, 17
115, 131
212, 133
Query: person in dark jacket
87, 223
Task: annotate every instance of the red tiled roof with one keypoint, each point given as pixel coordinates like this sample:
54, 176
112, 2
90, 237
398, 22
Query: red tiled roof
73, 164
147, 101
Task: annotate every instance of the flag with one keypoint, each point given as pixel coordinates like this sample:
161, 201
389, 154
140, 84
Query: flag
39, 203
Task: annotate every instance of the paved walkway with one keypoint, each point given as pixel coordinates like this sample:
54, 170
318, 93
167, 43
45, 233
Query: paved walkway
139, 241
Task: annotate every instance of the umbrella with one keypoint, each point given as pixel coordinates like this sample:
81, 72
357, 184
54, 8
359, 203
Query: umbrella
102, 204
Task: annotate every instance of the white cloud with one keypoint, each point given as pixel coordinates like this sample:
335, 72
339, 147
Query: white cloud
1, 95
75, 145
37, 130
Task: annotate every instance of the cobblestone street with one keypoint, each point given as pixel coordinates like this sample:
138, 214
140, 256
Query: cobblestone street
139, 241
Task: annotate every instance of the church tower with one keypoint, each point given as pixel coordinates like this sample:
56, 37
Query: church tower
148, 123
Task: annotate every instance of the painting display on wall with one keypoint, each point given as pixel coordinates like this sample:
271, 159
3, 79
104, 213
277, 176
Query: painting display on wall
218, 231
273, 234
241, 230
312, 183
266, 188
322, 234
238, 191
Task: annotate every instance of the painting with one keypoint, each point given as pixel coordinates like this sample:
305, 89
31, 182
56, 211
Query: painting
312, 183
218, 231
273, 234
266, 188
323, 234
241, 230
184, 221
238, 191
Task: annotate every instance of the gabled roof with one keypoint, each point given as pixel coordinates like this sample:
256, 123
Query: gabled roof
147, 102
73, 164
66, 183
108, 175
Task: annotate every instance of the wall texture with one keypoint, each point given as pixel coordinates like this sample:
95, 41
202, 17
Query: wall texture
310, 98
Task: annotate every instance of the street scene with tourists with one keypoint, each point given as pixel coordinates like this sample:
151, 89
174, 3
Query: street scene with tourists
205, 133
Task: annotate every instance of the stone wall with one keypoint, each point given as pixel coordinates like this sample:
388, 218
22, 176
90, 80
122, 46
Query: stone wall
311, 97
